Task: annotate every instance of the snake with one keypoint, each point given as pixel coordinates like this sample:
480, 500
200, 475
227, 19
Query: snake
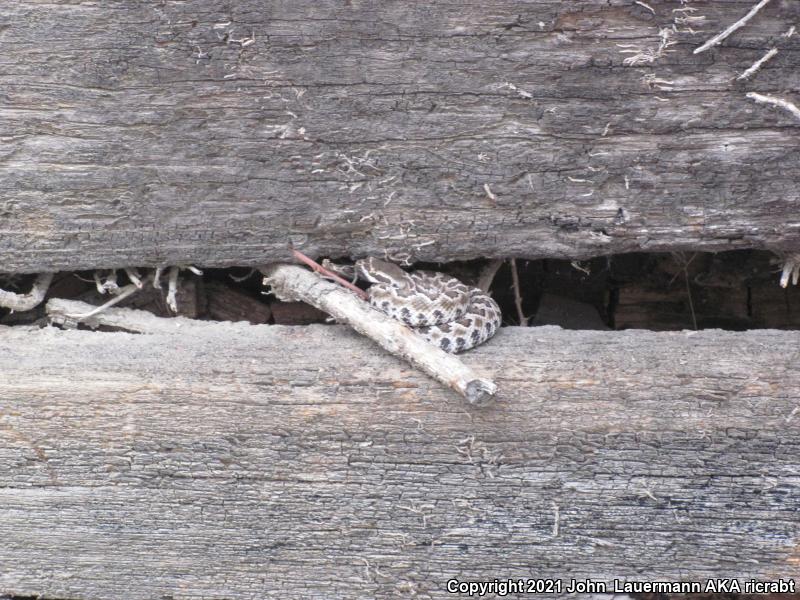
443, 310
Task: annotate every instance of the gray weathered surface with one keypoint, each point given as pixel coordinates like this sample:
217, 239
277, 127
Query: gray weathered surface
208, 465
143, 133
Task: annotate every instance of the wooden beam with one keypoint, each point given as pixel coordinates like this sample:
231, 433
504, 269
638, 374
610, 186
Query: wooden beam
239, 461
198, 132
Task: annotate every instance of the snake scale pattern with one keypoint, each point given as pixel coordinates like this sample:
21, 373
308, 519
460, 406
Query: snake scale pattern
449, 314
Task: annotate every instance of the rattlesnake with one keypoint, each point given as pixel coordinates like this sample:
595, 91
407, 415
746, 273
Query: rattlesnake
446, 312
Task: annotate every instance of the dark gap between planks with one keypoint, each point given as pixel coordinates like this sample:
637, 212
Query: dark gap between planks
735, 290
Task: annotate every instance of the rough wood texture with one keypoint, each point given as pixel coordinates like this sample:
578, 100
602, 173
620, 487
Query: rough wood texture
209, 465
144, 133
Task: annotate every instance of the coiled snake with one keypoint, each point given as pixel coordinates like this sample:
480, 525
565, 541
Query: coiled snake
449, 314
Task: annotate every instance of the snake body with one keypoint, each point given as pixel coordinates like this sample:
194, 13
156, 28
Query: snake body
449, 314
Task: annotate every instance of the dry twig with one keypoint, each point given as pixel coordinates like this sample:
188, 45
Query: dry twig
790, 269
61, 312
329, 274
109, 286
172, 289
122, 293
780, 102
523, 320
680, 258
291, 282
22, 302
757, 65
740, 23
134, 276
172, 283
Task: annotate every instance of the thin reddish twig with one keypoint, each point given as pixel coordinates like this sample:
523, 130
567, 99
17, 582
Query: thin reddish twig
330, 274
523, 320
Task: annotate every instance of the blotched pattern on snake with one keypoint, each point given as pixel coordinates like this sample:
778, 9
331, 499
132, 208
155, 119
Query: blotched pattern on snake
449, 314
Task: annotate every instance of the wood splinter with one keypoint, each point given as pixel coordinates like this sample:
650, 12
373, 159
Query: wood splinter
779, 102
292, 283
68, 313
719, 38
23, 302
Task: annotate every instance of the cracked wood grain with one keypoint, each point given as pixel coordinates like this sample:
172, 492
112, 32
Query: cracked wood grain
216, 134
258, 461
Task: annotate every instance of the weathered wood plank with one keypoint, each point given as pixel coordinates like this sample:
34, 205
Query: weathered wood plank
148, 133
208, 465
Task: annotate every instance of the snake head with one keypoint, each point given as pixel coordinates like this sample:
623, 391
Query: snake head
375, 270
